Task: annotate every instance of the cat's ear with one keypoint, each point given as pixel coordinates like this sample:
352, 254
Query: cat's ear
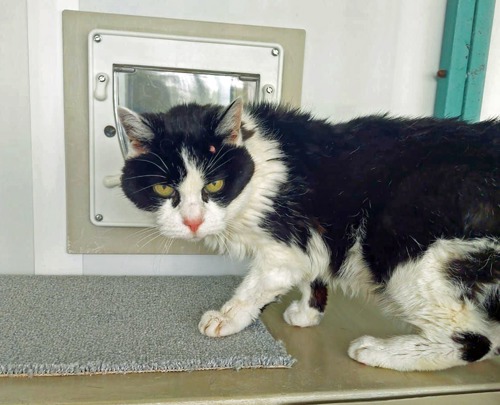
138, 133
229, 125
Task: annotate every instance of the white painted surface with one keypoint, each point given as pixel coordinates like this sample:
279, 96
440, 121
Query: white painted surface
361, 57
47, 137
491, 96
16, 190
158, 265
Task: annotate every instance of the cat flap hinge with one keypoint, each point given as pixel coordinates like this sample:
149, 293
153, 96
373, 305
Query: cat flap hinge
100, 86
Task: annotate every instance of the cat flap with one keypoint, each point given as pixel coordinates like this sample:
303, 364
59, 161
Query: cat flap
230, 123
138, 133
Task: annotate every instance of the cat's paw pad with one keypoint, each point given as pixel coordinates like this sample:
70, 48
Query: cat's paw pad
367, 350
297, 315
217, 324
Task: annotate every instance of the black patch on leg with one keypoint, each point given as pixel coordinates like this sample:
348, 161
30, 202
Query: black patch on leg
491, 304
474, 345
478, 267
319, 295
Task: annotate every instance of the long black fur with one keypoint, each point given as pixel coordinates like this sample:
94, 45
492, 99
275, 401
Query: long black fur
415, 180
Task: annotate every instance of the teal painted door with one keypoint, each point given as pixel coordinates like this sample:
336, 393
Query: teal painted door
464, 56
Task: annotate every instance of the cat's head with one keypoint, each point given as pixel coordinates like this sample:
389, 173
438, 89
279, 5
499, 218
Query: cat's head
189, 165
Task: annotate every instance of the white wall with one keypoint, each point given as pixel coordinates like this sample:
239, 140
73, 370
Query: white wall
491, 96
361, 57
47, 136
16, 183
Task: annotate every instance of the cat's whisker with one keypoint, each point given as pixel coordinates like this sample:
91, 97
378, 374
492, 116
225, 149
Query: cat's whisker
142, 189
161, 160
213, 169
137, 234
147, 235
167, 244
216, 156
143, 230
145, 175
153, 163
222, 240
216, 159
158, 235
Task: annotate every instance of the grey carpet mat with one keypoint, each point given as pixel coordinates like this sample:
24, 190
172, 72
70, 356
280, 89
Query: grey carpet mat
53, 325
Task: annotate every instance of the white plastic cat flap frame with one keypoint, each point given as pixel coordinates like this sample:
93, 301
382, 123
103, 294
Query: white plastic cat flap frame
148, 72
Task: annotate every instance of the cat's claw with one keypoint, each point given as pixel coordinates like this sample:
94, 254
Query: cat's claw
303, 316
218, 324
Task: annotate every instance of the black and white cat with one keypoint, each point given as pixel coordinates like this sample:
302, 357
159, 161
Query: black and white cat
406, 211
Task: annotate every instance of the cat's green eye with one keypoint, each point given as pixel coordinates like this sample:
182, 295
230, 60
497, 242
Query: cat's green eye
214, 186
163, 190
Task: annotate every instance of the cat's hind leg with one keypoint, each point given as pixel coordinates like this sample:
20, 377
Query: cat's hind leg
309, 310
405, 353
421, 352
456, 312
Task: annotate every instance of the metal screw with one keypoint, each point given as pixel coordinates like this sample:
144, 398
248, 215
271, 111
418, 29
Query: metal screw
275, 52
110, 131
101, 78
97, 38
99, 217
269, 89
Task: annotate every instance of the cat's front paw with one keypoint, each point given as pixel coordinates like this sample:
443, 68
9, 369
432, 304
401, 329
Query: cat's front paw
217, 324
303, 316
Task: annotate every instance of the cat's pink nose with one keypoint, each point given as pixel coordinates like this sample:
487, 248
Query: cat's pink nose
193, 223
